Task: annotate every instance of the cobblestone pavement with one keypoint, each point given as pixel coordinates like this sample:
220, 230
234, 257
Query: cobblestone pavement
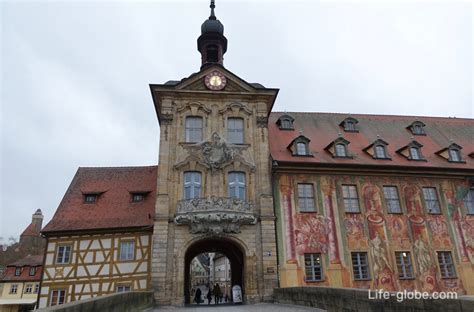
260, 307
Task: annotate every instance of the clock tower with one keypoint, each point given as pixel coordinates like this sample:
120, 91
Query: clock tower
214, 182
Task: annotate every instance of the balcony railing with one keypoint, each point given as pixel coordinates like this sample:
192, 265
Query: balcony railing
214, 214
213, 203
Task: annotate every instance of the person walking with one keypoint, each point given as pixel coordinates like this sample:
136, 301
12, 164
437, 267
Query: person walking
197, 296
209, 296
217, 293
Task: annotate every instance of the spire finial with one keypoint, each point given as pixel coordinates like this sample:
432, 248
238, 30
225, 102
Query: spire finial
212, 6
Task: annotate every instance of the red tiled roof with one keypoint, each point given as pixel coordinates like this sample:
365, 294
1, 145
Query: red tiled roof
323, 128
31, 230
25, 263
113, 208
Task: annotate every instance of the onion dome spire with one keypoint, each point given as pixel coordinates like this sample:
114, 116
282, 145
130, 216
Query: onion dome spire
212, 44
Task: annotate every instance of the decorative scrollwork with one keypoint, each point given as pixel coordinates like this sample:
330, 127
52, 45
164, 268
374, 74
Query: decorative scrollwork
262, 122
214, 214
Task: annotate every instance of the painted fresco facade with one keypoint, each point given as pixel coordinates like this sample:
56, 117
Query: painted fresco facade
334, 233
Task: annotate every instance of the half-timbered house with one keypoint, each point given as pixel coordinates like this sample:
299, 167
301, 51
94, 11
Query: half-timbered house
99, 239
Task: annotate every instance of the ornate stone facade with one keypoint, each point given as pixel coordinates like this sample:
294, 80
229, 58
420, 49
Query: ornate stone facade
246, 226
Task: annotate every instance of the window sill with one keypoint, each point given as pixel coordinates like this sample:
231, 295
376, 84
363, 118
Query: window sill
395, 213
457, 162
362, 279
352, 212
308, 211
406, 278
449, 278
307, 155
314, 282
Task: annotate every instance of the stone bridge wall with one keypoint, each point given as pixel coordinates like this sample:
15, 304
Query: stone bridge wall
349, 299
121, 302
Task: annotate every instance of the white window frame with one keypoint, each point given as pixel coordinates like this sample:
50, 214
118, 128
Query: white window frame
60, 293
469, 201
430, 196
13, 289
123, 288
446, 264
359, 265
235, 130
192, 184
126, 250
404, 265
392, 199
341, 150
237, 186
306, 198
28, 289
415, 153
193, 131
314, 266
350, 197
64, 254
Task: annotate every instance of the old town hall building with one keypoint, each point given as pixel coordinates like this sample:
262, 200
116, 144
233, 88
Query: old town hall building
291, 199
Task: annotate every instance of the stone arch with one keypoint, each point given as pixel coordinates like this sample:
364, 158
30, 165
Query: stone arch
233, 248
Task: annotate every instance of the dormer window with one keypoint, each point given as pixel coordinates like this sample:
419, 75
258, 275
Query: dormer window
17, 271
412, 151
32, 271
339, 148
452, 153
378, 149
90, 198
138, 197
300, 146
417, 128
285, 122
349, 124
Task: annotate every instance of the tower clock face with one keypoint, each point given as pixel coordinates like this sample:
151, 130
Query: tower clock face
215, 80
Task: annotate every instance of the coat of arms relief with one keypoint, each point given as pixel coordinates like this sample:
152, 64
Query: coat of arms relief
215, 214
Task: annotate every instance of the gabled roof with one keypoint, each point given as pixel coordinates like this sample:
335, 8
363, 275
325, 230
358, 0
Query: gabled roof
113, 208
194, 85
322, 128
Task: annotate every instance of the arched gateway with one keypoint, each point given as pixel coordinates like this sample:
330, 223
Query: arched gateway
228, 247
213, 190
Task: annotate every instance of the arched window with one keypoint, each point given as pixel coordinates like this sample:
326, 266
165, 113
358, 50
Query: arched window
454, 155
285, 122
193, 129
235, 130
341, 150
301, 148
380, 151
192, 184
212, 53
237, 185
417, 129
415, 153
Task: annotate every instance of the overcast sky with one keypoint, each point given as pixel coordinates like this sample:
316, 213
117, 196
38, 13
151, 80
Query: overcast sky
75, 75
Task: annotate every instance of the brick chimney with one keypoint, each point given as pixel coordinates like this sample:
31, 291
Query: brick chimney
37, 220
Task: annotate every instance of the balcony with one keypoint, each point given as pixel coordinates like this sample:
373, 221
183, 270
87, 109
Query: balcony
214, 214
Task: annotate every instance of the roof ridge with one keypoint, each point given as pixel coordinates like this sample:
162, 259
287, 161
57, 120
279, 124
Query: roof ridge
369, 115
118, 167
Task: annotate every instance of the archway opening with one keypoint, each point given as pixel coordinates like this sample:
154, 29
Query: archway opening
225, 266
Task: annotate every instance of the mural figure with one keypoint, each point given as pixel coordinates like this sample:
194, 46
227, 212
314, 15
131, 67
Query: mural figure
423, 257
